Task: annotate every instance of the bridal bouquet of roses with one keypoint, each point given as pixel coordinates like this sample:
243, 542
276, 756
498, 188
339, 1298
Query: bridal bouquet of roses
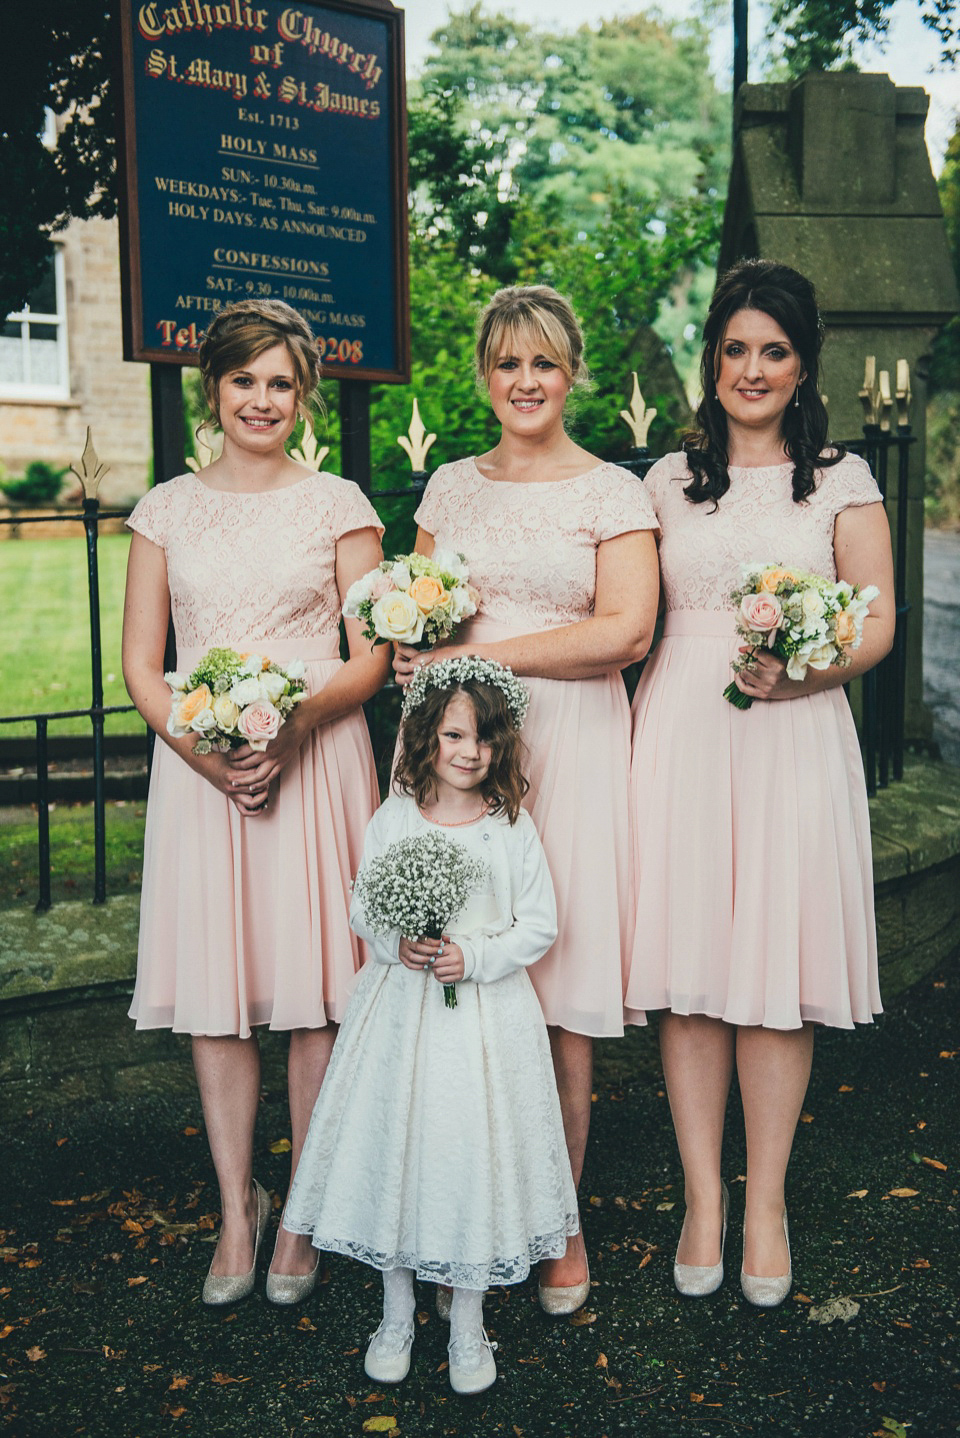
231, 699
803, 618
413, 600
417, 887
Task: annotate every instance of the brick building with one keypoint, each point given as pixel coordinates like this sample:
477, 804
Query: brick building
62, 368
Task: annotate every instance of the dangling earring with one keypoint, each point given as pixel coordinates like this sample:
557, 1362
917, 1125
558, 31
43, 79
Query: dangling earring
796, 396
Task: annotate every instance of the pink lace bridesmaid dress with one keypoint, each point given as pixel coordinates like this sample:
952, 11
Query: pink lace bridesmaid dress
532, 552
753, 865
245, 921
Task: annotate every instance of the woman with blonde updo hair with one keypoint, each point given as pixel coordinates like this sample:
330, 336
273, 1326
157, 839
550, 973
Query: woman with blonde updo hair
560, 546
249, 855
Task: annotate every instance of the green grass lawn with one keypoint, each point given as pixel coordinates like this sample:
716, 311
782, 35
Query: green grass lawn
45, 655
71, 852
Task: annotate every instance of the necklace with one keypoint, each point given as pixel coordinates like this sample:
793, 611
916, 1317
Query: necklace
455, 823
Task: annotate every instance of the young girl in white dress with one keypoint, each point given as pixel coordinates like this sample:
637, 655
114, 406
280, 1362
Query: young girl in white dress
436, 1147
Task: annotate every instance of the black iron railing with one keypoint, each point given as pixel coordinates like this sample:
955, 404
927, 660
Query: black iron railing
884, 688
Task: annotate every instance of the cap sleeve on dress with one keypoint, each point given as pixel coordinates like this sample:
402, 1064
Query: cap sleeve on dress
666, 471
850, 483
151, 515
624, 504
353, 509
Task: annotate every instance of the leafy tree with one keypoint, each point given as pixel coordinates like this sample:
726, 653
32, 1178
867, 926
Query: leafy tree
57, 56
820, 34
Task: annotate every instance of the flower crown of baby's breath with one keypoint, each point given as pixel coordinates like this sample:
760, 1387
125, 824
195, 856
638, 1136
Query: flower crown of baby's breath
445, 673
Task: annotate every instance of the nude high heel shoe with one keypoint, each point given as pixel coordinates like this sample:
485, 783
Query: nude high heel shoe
695, 1280
769, 1292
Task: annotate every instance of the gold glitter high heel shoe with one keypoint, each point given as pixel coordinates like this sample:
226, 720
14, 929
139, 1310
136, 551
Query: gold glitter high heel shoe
230, 1288
769, 1292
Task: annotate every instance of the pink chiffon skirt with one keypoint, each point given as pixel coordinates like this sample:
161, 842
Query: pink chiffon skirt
245, 921
577, 737
753, 866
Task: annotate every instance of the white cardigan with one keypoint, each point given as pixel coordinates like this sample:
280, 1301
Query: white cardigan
526, 924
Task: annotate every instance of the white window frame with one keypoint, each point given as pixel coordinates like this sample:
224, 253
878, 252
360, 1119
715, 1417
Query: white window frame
25, 390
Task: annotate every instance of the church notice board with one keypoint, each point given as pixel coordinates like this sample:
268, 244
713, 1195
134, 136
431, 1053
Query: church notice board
263, 155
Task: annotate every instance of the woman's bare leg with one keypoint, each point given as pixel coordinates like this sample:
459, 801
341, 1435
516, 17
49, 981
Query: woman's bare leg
697, 1053
573, 1067
310, 1051
228, 1074
773, 1067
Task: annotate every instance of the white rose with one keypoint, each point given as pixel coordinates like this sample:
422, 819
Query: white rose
225, 711
813, 605
174, 728
397, 617
253, 664
296, 669
204, 721
176, 680
401, 576
246, 691
822, 656
358, 593
449, 562
272, 686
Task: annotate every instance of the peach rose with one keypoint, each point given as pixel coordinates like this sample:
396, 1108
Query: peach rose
427, 593
259, 723
775, 577
193, 704
845, 627
762, 613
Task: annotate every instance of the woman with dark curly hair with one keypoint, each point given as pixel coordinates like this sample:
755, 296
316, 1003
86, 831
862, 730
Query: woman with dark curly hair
755, 891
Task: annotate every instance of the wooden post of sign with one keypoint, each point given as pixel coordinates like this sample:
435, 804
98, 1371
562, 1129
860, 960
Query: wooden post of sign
355, 432
166, 401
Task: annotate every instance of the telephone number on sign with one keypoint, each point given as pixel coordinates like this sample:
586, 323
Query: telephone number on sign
340, 351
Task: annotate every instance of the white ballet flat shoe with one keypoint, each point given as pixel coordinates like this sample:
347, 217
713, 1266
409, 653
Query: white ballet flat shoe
769, 1292
695, 1280
219, 1289
387, 1359
472, 1366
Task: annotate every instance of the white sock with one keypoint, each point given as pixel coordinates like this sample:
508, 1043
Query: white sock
398, 1301
466, 1313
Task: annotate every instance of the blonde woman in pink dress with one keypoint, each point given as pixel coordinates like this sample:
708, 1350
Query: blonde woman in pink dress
754, 879
561, 548
249, 856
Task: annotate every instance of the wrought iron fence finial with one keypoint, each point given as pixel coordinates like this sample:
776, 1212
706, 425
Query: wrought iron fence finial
416, 442
91, 470
638, 417
309, 452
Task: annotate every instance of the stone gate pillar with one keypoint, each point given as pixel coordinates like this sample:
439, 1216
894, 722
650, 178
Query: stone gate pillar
831, 175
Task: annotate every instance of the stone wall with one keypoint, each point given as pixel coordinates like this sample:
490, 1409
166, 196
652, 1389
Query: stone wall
106, 393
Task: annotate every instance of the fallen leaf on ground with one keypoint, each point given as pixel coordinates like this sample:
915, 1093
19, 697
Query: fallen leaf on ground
858, 1193
135, 1282
190, 1131
696, 1397
934, 1163
281, 1145
902, 1193
806, 1117
601, 1361
35, 1354
801, 1298
306, 1326
384, 1423
63, 1202
6, 1330
949, 1053
225, 1378
179, 1381
890, 1425
665, 1207
845, 1088
583, 1318
844, 1309
920, 1263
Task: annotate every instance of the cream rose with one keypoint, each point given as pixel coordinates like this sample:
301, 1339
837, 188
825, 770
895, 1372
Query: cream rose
272, 686
397, 617
259, 723
762, 613
813, 605
427, 593
225, 711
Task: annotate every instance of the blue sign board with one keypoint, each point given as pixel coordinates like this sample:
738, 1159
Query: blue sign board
265, 156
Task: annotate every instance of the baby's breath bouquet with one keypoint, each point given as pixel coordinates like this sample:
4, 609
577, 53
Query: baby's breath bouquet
418, 886
231, 699
413, 600
805, 619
